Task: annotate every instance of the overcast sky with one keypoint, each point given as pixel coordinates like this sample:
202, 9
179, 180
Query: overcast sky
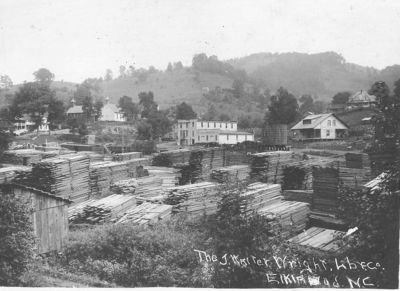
77, 39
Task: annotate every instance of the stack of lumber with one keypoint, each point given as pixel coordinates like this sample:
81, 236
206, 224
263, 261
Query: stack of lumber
75, 210
195, 200
126, 156
124, 186
326, 220
170, 176
357, 160
93, 156
232, 157
298, 195
319, 239
291, 215
146, 213
268, 166
259, 195
169, 158
355, 171
326, 189
21, 157
66, 176
231, 174
104, 174
107, 209
12, 173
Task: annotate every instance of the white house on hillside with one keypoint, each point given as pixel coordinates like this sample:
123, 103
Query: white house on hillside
189, 132
319, 127
110, 112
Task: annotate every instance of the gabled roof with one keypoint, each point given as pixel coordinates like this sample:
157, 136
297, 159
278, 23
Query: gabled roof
75, 109
362, 96
316, 119
113, 107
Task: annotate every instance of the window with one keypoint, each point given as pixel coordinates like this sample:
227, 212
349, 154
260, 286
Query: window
329, 123
306, 121
192, 123
215, 125
231, 125
208, 125
206, 137
328, 132
202, 125
198, 137
237, 137
227, 137
180, 125
334, 122
226, 125
216, 137
192, 133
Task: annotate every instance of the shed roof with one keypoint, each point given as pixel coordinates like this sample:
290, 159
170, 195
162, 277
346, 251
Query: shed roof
37, 191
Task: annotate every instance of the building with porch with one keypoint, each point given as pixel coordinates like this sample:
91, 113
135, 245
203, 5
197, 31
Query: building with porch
189, 132
319, 127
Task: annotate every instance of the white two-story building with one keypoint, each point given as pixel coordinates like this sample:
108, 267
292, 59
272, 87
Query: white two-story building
189, 132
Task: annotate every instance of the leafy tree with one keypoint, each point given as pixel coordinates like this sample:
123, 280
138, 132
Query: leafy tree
35, 99
283, 109
238, 88
307, 104
122, 72
82, 91
88, 108
56, 112
109, 75
144, 130
147, 103
178, 66
6, 81
97, 107
129, 108
169, 67
5, 129
211, 113
224, 117
185, 111
160, 124
43, 75
396, 89
16, 239
341, 98
244, 121
319, 107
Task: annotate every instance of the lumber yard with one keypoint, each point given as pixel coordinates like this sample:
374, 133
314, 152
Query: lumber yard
297, 191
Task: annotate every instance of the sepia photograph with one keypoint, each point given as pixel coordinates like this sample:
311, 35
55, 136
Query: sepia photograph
199, 144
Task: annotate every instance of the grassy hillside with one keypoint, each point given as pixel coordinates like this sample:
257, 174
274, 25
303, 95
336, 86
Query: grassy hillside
169, 88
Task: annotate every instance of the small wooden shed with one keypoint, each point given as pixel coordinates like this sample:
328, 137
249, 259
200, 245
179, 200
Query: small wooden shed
49, 216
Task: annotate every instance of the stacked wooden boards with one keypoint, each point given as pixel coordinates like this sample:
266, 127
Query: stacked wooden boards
231, 174
146, 213
268, 166
104, 174
319, 239
169, 158
12, 173
298, 195
126, 156
355, 171
66, 176
291, 215
326, 189
25, 157
259, 195
194, 200
107, 209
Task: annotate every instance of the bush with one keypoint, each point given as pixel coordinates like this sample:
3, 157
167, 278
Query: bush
16, 239
134, 256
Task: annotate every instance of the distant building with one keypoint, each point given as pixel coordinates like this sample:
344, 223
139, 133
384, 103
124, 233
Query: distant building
189, 132
24, 124
319, 127
75, 112
110, 112
336, 108
361, 99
